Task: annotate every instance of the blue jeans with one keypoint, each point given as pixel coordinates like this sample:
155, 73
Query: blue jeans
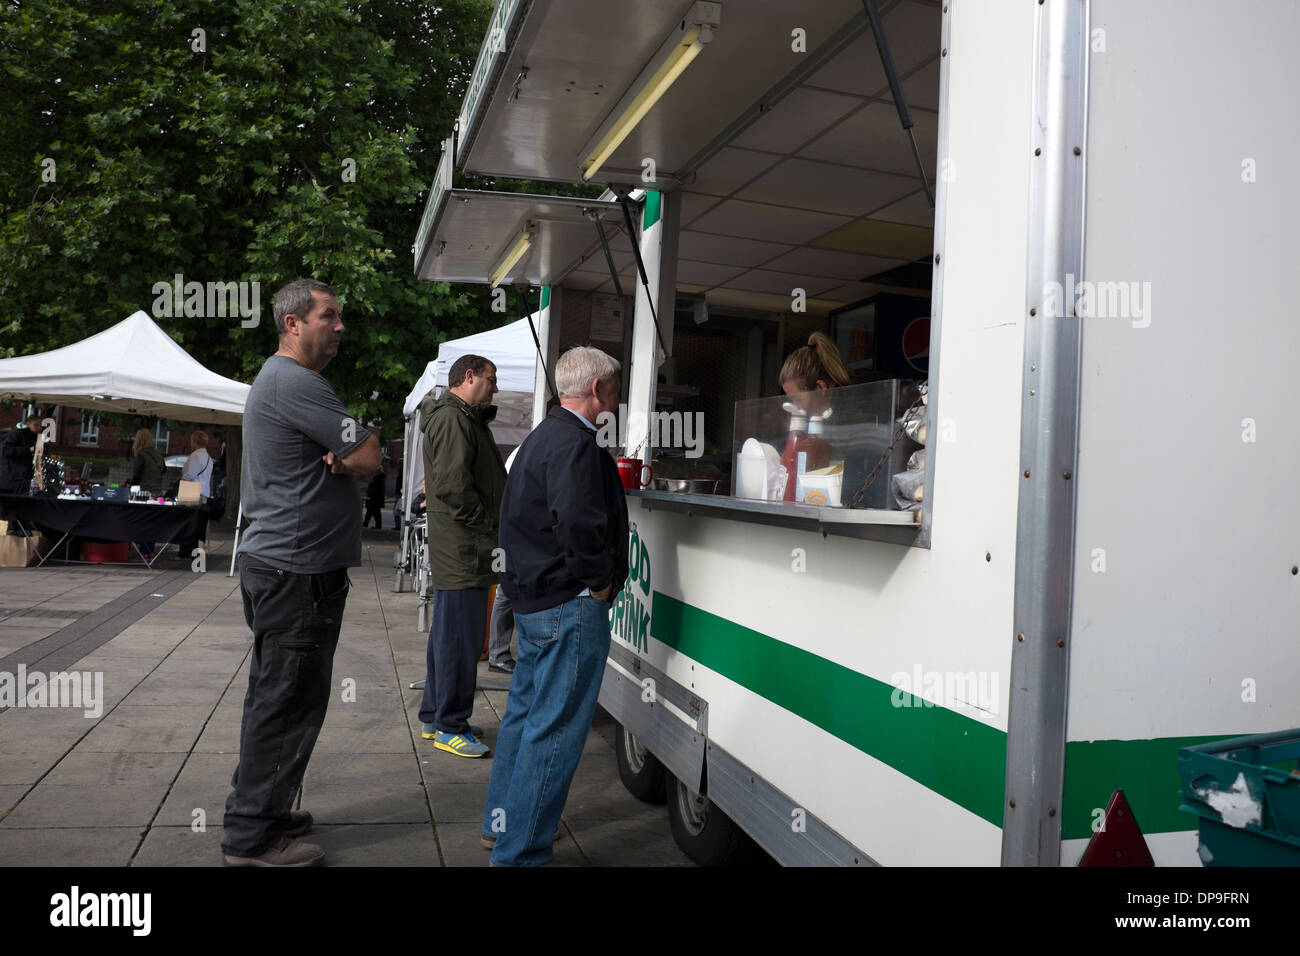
561, 661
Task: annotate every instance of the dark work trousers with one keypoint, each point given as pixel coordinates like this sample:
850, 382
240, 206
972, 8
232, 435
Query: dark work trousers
455, 643
295, 619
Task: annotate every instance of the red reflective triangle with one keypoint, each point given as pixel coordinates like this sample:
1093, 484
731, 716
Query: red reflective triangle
1119, 842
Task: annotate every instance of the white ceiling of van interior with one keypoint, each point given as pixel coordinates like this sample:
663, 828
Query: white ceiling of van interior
813, 186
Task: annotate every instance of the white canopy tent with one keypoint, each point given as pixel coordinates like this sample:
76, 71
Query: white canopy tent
132, 367
513, 351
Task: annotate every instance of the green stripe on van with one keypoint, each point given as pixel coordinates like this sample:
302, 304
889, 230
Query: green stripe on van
546, 298
958, 757
1147, 772
653, 208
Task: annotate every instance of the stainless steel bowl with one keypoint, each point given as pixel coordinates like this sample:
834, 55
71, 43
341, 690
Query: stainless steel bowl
686, 486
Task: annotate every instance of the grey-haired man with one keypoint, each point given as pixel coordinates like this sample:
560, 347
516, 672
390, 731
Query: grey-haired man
562, 575
302, 451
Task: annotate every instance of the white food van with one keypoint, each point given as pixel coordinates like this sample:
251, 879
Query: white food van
1103, 568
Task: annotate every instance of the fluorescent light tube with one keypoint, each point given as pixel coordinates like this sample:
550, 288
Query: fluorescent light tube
512, 255
672, 59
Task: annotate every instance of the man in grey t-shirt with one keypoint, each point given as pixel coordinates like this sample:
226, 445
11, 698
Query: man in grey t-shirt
302, 451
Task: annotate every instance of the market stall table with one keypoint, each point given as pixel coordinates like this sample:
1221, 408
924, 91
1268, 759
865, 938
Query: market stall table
106, 520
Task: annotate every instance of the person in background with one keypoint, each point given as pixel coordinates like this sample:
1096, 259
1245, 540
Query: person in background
399, 509
375, 500
149, 465
217, 449
198, 467
503, 620
148, 474
17, 450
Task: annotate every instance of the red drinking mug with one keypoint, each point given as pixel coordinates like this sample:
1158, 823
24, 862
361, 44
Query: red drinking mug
630, 471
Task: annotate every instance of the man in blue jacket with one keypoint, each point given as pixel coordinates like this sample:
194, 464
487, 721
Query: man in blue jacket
564, 534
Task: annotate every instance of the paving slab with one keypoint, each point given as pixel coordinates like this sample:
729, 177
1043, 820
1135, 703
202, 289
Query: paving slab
343, 735
643, 840
174, 688
180, 846
203, 784
10, 794
14, 636
79, 805
218, 738
381, 802
27, 767
147, 729
85, 847
457, 802
389, 845
156, 639
463, 840
438, 766
460, 846
340, 769
86, 768
50, 743
18, 724
598, 793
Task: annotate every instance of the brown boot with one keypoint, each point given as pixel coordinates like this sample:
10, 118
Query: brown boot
285, 853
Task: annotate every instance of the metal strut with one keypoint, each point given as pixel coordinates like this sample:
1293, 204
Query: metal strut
523, 302
640, 265
609, 258
896, 89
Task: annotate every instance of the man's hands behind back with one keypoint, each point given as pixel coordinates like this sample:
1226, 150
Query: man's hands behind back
363, 462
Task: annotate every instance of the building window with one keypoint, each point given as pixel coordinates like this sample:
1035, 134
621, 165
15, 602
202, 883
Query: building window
161, 436
89, 429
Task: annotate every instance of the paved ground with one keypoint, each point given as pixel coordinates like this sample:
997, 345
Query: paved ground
144, 783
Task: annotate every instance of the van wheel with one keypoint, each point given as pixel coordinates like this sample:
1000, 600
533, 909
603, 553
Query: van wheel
639, 769
704, 832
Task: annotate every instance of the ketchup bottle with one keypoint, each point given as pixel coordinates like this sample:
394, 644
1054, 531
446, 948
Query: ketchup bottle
794, 443
817, 451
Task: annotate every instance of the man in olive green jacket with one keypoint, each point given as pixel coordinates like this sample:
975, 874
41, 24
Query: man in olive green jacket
464, 480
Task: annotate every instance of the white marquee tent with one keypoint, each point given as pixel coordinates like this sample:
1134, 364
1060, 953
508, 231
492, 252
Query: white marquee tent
132, 367
514, 353
512, 350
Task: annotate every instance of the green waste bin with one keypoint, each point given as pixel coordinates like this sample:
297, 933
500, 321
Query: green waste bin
1246, 799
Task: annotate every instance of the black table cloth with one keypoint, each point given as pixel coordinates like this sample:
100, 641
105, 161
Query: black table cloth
107, 520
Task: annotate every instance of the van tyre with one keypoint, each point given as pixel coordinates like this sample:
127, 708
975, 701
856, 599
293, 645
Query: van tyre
702, 831
640, 770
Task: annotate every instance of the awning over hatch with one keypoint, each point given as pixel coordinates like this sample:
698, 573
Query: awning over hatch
470, 235
781, 135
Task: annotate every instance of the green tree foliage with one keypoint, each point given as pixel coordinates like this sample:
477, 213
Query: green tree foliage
223, 156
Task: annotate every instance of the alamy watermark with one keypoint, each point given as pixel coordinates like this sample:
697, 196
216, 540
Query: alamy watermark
1098, 300
82, 690
665, 429
128, 910
208, 300
951, 689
